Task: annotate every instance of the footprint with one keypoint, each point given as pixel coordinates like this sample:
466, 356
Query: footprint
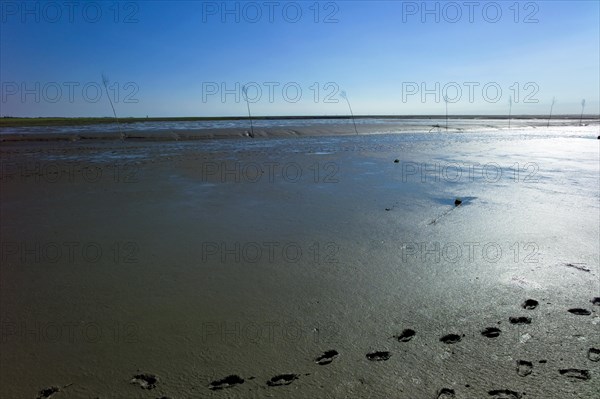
146, 381
47, 392
406, 335
520, 320
596, 301
282, 379
227, 382
576, 373
504, 394
445, 393
379, 356
524, 368
451, 338
530, 304
580, 311
491, 332
327, 357
593, 354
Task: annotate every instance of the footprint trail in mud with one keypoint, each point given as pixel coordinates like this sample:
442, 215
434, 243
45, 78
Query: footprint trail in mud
451, 338
405, 335
577, 374
491, 332
524, 368
378, 356
227, 382
282, 379
327, 357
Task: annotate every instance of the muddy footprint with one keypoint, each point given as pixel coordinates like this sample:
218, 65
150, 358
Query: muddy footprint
519, 320
530, 304
451, 338
282, 379
145, 381
227, 382
405, 335
524, 368
504, 394
327, 357
580, 312
491, 332
446, 393
47, 392
379, 356
576, 374
593, 354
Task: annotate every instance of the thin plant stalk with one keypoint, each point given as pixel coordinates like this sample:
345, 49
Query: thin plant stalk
345, 96
582, 107
446, 101
105, 82
551, 107
245, 92
509, 110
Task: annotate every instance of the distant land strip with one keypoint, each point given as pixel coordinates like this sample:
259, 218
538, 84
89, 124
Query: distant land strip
8, 121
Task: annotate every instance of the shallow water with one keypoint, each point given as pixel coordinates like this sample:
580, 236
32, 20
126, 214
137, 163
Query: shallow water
364, 126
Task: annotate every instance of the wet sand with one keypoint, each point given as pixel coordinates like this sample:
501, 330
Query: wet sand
302, 267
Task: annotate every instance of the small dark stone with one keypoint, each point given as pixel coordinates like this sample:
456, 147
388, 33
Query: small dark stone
396, 161
457, 202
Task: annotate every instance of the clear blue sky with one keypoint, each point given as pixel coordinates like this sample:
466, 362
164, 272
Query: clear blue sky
175, 58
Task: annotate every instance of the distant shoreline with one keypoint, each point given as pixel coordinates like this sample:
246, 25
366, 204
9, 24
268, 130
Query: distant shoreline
8, 121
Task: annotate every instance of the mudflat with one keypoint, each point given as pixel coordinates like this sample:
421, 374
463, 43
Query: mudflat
323, 266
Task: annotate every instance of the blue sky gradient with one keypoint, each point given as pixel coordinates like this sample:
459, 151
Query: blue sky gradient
175, 58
